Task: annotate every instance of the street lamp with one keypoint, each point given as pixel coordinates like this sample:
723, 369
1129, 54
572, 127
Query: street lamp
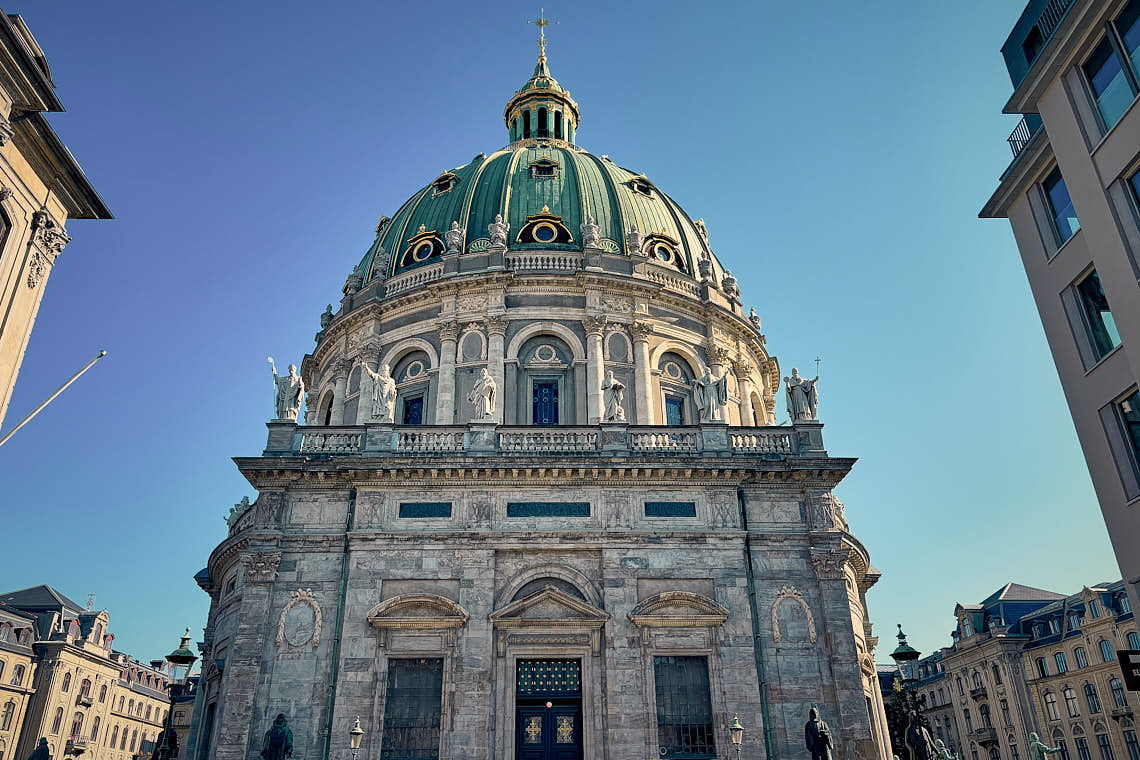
906, 657
180, 660
354, 737
737, 732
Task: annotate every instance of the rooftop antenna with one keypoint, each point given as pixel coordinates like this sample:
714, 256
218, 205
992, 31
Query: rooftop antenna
542, 22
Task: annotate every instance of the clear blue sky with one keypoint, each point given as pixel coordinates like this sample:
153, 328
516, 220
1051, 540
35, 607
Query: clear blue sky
838, 151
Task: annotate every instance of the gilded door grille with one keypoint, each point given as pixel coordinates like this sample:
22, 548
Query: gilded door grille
549, 678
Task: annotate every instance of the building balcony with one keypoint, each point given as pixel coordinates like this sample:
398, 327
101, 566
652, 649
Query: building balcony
84, 700
1024, 133
804, 439
978, 693
1031, 35
1119, 713
985, 736
77, 745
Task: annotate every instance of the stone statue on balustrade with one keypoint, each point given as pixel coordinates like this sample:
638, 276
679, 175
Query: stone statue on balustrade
278, 742
710, 395
497, 231
482, 397
919, 740
290, 392
1037, 750
613, 393
634, 240
590, 233
383, 394
941, 752
454, 238
817, 736
803, 398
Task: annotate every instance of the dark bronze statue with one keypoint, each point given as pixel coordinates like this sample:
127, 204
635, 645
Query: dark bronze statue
919, 740
817, 736
278, 743
41, 752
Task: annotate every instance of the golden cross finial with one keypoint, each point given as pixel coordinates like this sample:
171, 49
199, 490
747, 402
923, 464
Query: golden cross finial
542, 22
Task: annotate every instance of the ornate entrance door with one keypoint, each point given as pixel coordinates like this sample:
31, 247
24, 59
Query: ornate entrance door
548, 716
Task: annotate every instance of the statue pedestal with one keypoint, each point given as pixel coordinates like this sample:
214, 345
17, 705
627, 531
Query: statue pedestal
592, 259
496, 257
380, 436
450, 263
809, 437
614, 436
281, 434
481, 436
714, 438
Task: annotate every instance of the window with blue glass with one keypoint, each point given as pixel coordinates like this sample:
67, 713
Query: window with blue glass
414, 411
1106, 653
545, 404
674, 411
1134, 640
1109, 84
1103, 334
1062, 664
1065, 221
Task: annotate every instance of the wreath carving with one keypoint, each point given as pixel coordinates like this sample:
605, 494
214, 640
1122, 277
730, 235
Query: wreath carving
300, 596
787, 593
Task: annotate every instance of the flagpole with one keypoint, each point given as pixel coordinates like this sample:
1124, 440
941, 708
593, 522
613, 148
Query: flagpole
51, 398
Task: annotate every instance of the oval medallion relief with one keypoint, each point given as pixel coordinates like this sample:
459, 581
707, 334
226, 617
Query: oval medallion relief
300, 621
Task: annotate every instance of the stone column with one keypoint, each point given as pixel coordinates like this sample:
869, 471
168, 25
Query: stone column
496, 332
744, 385
445, 385
243, 665
594, 329
642, 383
340, 383
718, 358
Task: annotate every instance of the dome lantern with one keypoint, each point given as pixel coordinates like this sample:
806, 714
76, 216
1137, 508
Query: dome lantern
542, 108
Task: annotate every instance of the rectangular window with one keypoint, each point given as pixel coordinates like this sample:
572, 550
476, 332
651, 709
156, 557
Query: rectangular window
1082, 748
1110, 86
1062, 664
1092, 698
1094, 607
1098, 320
670, 509
412, 709
684, 707
674, 411
1065, 222
412, 509
1132, 745
545, 404
1064, 749
548, 509
414, 411
1104, 746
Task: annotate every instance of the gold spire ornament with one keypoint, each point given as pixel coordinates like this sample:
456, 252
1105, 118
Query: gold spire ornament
542, 22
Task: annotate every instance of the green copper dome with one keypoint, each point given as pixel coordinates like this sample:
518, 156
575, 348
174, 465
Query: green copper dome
550, 192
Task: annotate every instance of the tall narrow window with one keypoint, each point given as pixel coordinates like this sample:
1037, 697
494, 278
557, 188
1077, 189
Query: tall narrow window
984, 712
526, 124
1051, 706
1062, 664
684, 707
997, 674
66, 682
1110, 87
412, 709
1134, 640
543, 130
558, 124
1064, 748
1005, 716
1081, 657
1132, 745
6, 715
414, 411
674, 411
1042, 667
545, 411
1092, 698
1118, 697
1104, 747
1082, 748
1071, 702
1065, 221
1106, 653
1097, 315
57, 720
1128, 27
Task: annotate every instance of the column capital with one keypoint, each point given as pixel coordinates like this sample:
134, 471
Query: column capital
594, 325
497, 324
641, 331
449, 330
343, 366
717, 354
743, 368
260, 567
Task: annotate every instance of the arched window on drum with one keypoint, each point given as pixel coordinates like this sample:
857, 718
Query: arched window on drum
543, 383
413, 388
676, 378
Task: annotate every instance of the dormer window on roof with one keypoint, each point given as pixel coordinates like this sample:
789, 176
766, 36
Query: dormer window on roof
422, 247
544, 227
544, 168
443, 184
641, 186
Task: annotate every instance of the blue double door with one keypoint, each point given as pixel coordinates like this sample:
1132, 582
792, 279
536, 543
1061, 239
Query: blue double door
549, 730
545, 398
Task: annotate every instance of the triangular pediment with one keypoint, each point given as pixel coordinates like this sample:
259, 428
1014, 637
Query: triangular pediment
417, 611
678, 609
549, 605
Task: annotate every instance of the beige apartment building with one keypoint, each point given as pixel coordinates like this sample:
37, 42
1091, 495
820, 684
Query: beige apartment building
41, 188
17, 669
80, 694
1070, 195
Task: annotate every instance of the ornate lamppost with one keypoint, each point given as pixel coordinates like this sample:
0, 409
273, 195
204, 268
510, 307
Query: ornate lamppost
354, 737
906, 658
737, 732
181, 661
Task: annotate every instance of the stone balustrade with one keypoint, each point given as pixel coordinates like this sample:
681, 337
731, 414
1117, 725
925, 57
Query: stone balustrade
547, 261
671, 281
413, 279
289, 439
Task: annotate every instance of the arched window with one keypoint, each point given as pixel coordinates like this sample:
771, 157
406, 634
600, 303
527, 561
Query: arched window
543, 129
57, 720
95, 729
1106, 653
3, 664
114, 736
134, 740
66, 682
558, 124
5, 631
1071, 702
18, 675
131, 707
103, 693
1051, 706
959, 680
6, 715
1081, 657
677, 377
977, 680
123, 741
121, 700
1062, 663
1118, 697
1042, 667
76, 726
85, 687
526, 124
997, 674
1092, 698
984, 711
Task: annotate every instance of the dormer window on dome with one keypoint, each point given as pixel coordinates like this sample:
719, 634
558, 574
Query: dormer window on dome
544, 228
544, 168
665, 250
424, 246
641, 186
443, 184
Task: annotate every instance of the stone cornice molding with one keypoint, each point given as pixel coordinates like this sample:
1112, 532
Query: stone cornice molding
678, 609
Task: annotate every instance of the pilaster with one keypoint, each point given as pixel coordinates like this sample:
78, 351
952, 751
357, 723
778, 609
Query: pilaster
640, 332
595, 327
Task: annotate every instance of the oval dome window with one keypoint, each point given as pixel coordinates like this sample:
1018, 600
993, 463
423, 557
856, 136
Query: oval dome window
663, 252
544, 233
423, 250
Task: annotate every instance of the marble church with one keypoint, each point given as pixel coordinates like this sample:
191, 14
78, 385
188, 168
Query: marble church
538, 505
